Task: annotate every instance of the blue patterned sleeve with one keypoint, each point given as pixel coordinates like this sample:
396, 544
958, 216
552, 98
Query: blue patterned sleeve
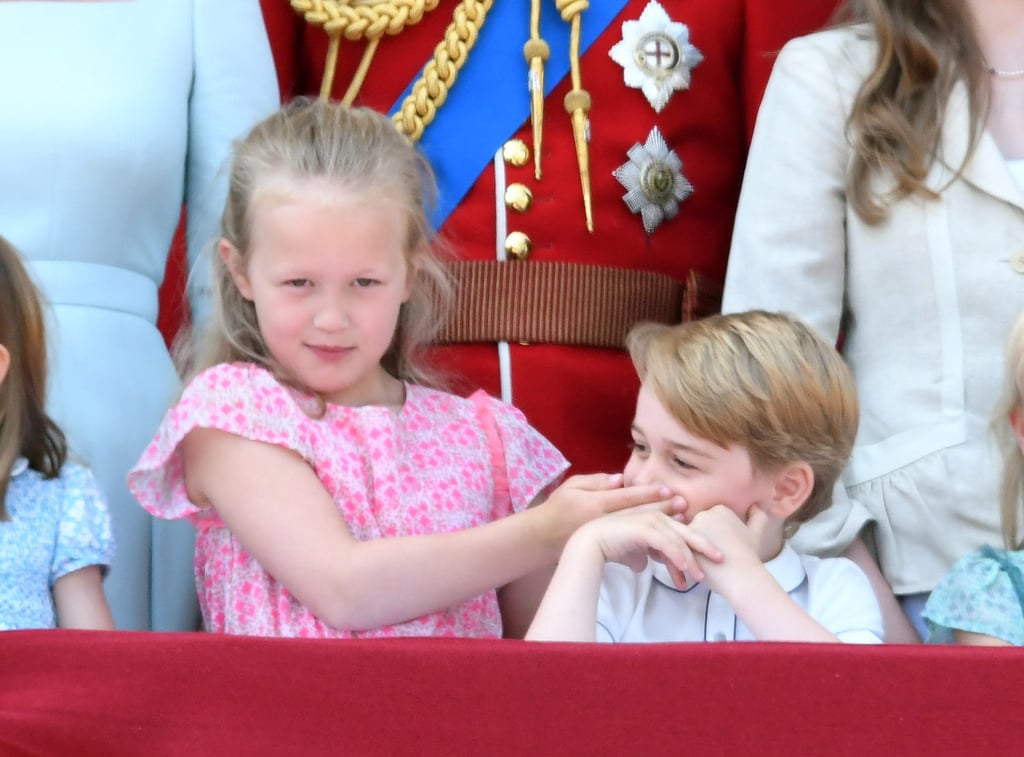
980, 594
84, 536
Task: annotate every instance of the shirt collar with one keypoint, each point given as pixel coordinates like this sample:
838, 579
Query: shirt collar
20, 466
787, 568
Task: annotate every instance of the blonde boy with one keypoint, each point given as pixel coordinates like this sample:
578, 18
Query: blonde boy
750, 418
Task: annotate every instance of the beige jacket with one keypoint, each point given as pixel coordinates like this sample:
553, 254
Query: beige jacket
926, 299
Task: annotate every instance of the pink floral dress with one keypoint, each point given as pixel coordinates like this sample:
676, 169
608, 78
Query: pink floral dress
442, 463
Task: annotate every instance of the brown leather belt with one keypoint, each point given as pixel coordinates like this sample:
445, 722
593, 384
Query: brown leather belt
567, 303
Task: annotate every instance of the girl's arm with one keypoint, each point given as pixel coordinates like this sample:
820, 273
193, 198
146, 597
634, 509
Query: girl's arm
978, 639
275, 505
519, 601
79, 600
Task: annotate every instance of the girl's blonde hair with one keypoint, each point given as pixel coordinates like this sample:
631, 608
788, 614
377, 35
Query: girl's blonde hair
925, 47
1011, 493
25, 428
358, 150
764, 381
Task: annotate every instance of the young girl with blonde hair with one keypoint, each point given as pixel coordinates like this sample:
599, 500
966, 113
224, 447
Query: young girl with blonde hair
55, 537
981, 600
333, 492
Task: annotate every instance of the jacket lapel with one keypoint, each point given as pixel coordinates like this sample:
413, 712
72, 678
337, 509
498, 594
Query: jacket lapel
987, 169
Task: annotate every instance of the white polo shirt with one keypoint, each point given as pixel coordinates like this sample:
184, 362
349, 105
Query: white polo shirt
646, 606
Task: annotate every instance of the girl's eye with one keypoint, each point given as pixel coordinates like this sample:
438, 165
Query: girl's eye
679, 463
364, 283
297, 283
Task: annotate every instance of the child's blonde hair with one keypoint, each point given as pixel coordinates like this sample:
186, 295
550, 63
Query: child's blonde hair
25, 428
359, 151
1011, 401
761, 380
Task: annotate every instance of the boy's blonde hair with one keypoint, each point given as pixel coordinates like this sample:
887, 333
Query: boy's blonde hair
25, 428
355, 150
1012, 400
761, 380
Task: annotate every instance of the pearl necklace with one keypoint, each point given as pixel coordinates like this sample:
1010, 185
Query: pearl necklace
1016, 74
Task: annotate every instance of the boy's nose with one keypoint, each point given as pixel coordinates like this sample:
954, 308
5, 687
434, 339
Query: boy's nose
646, 472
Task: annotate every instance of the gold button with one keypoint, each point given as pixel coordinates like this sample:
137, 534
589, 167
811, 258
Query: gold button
518, 197
516, 153
1017, 261
517, 244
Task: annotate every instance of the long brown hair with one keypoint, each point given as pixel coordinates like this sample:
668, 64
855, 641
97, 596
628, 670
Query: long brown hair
924, 49
25, 428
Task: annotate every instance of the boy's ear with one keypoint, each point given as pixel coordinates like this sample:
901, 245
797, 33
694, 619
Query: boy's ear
233, 262
792, 486
1017, 422
5, 362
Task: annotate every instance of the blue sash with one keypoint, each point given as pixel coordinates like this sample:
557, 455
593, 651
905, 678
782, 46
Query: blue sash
490, 99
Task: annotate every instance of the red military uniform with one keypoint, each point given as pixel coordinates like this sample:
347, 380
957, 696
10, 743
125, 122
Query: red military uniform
578, 388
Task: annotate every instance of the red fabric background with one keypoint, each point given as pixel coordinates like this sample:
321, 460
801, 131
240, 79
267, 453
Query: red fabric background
113, 693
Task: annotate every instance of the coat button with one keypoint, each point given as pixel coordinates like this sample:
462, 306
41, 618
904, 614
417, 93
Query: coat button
1017, 261
516, 153
518, 245
518, 197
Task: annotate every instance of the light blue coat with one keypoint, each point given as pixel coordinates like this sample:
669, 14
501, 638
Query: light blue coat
113, 114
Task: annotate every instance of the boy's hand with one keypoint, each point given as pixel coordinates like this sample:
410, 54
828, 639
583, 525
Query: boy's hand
739, 543
630, 538
581, 499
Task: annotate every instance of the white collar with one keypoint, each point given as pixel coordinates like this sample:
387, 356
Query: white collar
20, 466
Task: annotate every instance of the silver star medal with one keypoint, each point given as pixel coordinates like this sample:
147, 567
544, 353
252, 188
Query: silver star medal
656, 55
654, 181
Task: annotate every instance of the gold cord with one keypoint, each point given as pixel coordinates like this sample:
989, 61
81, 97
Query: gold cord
577, 101
536, 51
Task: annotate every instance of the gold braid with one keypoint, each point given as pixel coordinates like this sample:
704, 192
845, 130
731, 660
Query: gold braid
371, 20
431, 89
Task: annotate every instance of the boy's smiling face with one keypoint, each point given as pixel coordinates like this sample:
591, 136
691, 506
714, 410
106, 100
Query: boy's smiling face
698, 470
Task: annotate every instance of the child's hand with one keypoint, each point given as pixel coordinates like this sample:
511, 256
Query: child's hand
739, 543
631, 537
582, 498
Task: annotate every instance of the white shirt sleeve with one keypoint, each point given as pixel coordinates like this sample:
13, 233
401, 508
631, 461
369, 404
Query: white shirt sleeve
839, 596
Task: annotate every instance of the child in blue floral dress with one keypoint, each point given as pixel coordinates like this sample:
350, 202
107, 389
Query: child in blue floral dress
981, 600
55, 537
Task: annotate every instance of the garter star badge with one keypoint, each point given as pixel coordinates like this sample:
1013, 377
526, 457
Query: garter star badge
654, 181
656, 55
